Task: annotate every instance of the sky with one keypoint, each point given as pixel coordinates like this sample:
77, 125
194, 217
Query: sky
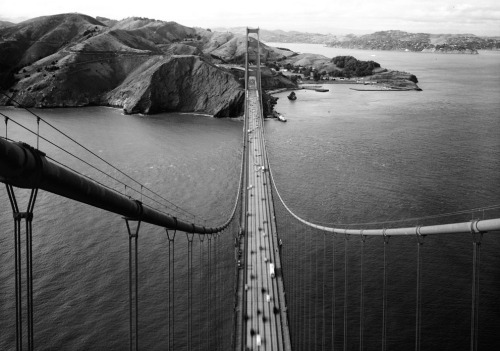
480, 17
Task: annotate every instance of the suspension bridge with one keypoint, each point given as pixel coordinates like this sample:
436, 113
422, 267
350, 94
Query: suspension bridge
270, 298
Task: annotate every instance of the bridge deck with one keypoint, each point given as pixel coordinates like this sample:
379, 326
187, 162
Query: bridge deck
265, 323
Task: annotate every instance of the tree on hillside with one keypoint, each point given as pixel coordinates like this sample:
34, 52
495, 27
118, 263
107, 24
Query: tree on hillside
354, 67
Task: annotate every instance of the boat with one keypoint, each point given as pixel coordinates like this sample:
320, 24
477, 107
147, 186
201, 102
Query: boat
292, 96
281, 118
321, 90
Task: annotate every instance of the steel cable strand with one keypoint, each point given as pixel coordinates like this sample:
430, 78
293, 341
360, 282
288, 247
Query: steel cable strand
301, 296
173, 295
312, 300
415, 219
345, 291
384, 296
333, 292
361, 298
29, 266
189, 237
476, 261
295, 288
17, 266
209, 286
316, 297
133, 265
171, 288
188, 324
216, 292
307, 300
6, 119
200, 311
418, 312
323, 283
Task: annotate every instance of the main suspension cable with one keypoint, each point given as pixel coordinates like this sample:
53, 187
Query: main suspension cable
93, 153
90, 165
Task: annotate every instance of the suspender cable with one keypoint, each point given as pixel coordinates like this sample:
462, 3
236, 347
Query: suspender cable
38, 133
209, 282
345, 291
310, 299
19, 293
304, 297
476, 261
384, 297
189, 237
323, 336
316, 296
171, 289
418, 313
17, 264
200, 312
133, 284
29, 266
361, 296
216, 290
333, 292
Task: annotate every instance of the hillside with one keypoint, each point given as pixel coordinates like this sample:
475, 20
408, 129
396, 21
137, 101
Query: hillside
417, 42
281, 36
5, 24
138, 64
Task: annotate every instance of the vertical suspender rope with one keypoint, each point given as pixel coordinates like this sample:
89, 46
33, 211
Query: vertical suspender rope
29, 266
303, 293
361, 295
133, 283
216, 244
189, 237
384, 296
6, 121
200, 312
28, 216
38, 133
477, 236
310, 300
171, 288
209, 282
18, 274
17, 264
418, 313
323, 282
333, 292
345, 290
316, 297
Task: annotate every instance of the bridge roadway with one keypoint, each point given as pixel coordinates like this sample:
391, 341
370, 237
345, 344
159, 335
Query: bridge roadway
264, 325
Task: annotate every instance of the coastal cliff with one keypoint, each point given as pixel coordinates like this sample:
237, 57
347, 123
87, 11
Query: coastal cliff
181, 83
